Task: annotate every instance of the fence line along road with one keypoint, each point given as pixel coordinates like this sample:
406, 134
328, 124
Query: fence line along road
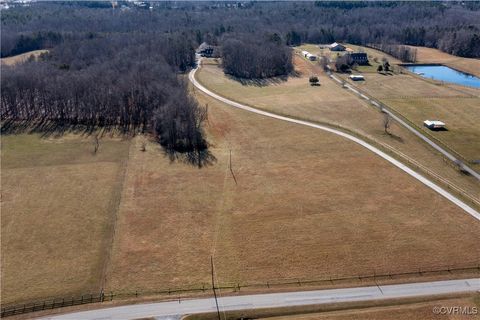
55, 303
474, 213
278, 300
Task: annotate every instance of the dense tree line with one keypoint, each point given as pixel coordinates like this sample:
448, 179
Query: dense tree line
401, 52
117, 80
453, 27
259, 58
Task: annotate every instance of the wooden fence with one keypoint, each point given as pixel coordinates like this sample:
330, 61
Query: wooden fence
101, 297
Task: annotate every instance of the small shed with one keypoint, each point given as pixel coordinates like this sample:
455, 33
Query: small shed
337, 47
357, 77
311, 57
434, 124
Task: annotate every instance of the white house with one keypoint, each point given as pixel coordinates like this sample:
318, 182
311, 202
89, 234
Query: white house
309, 56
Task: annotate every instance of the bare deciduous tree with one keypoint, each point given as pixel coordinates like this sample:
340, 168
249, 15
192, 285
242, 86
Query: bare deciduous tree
96, 143
387, 121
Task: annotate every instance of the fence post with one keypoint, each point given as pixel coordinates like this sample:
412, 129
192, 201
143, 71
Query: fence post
91, 298
82, 299
111, 296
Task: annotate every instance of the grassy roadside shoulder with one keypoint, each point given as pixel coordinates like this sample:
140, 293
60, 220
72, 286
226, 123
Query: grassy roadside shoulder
385, 309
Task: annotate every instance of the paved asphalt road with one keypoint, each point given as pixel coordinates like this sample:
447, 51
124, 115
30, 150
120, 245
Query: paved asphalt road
172, 309
474, 213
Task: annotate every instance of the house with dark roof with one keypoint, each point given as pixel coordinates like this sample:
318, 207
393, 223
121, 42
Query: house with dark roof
337, 47
359, 58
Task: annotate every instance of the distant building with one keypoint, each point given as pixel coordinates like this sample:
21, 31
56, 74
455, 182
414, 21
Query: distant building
337, 47
357, 77
309, 56
205, 50
359, 58
434, 124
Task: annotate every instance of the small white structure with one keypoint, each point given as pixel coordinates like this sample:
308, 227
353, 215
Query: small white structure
337, 47
357, 77
309, 56
434, 124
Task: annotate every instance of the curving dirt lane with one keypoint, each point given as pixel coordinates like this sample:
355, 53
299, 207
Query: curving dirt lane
474, 213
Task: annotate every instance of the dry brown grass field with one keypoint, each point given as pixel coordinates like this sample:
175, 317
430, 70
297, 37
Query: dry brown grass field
58, 203
305, 204
10, 61
333, 105
300, 203
418, 99
423, 310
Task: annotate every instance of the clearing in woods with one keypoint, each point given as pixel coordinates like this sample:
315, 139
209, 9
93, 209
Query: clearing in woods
10, 61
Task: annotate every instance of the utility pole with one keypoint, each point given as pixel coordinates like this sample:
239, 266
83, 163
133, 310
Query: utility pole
213, 287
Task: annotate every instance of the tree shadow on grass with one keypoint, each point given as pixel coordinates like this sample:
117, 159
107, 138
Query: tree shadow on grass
57, 129
394, 137
199, 158
263, 82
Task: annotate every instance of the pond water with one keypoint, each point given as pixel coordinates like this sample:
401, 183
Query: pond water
443, 73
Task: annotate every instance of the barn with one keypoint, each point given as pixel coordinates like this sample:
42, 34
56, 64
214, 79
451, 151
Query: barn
337, 47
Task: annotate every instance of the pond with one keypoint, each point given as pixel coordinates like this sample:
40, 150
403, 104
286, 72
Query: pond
443, 73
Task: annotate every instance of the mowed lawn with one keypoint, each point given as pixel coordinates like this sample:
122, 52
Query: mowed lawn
58, 206
305, 204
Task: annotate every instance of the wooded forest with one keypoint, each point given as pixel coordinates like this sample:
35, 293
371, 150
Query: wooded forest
110, 80
453, 27
256, 58
121, 63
